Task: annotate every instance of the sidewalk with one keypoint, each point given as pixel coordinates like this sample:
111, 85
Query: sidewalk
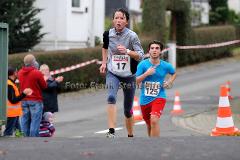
204, 122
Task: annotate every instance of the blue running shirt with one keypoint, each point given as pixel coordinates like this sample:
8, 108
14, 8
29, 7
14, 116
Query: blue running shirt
151, 86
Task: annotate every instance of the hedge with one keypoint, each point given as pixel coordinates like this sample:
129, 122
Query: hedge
154, 26
90, 73
238, 31
207, 35
80, 78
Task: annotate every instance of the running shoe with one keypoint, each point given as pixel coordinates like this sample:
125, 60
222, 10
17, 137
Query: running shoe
110, 135
19, 133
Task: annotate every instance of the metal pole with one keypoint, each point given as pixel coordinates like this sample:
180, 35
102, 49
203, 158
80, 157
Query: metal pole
92, 31
3, 71
172, 58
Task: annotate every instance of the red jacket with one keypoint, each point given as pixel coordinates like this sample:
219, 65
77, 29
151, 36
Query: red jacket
29, 77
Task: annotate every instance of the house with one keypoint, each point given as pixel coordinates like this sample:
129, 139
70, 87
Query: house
70, 24
135, 9
200, 12
234, 5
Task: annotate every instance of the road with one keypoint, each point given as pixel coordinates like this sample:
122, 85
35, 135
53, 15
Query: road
166, 148
81, 123
83, 113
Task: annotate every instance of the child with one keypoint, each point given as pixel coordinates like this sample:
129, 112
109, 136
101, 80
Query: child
46, 126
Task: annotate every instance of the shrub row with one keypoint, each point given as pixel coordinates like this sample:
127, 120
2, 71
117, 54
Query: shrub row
76, 79
237, 31
82, 78
207, 35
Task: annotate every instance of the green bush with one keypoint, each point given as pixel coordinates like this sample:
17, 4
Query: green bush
137, 27
237, 31
60, 59
207, 35
84, 76
154, 19
108, 23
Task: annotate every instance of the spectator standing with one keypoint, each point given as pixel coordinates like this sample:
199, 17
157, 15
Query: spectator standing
14, 108
50, 100
30, 77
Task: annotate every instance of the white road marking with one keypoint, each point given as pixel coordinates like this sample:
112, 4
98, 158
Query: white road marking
105, 131
77, 137
140, 123
119, 128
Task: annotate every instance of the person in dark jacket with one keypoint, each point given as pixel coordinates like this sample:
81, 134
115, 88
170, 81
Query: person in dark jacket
14, 108
50, 100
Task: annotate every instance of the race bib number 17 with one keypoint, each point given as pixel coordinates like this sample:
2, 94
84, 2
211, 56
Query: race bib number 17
121, 63
152, 88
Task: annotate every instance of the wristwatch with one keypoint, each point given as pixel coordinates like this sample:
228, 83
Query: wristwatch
128, 51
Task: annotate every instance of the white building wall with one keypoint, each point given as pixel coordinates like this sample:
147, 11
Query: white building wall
77, 22
135, 11
205, 13
99, 18
202, 8
234, 5
68, 27
135, 5
53, 21
86, 23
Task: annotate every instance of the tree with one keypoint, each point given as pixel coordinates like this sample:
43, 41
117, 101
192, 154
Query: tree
219, 11
154, 18
234, 18
24, 27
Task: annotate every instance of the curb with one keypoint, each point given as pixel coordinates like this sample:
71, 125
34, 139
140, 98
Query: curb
204, 122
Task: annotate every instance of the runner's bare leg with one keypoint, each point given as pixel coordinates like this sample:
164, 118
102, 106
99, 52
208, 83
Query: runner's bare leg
129, 125
112, 115
149, 130
155, 129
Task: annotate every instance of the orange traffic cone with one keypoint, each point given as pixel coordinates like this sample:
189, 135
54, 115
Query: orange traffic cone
177, 105
228, 90
224, 125
137, 114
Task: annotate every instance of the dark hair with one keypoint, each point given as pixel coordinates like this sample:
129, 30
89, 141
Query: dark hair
156, 42
11, 71
124, 12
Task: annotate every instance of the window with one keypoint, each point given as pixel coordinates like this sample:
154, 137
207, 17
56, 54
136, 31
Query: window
76, 3
77, 6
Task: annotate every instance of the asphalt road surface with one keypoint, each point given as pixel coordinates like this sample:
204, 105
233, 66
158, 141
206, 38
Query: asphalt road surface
166, 148
83, 114
81, 124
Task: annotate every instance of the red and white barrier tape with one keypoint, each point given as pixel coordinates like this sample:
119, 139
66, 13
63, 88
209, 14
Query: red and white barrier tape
80, 65
209, 45
73, 67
